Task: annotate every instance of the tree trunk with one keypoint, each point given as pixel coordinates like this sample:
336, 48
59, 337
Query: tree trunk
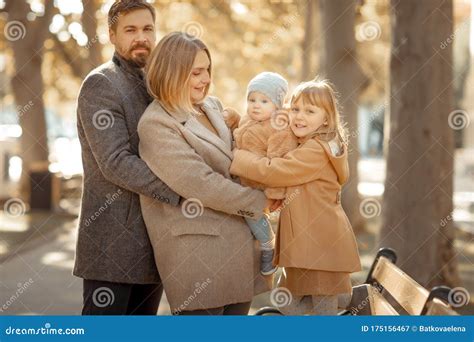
89, 22
339, 65
308, 40
27, 39
418, 199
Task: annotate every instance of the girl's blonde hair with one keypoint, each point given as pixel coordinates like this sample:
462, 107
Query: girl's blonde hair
169, 69
321, 93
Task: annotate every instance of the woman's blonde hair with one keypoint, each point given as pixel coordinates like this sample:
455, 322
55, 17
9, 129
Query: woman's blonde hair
169, 69
321, 93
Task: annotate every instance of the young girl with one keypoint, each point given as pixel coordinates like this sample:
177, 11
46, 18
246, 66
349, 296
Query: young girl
315, 243
264, 131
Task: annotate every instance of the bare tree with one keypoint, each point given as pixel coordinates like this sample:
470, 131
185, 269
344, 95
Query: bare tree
418, 199
339, 65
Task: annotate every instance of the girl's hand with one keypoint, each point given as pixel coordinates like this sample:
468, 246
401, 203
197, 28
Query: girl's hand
273, 205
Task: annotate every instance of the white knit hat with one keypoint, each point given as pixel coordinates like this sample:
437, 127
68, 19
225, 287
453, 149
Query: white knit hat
270, 84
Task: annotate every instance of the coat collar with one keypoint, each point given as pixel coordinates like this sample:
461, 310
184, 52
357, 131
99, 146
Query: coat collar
223, 142
129, 67
323, 134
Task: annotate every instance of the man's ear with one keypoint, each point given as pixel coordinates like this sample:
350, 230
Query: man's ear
112, 36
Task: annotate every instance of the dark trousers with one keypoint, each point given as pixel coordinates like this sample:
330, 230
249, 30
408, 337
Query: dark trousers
231, 309
106, 298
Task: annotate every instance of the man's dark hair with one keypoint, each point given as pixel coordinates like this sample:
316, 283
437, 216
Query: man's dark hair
126, 6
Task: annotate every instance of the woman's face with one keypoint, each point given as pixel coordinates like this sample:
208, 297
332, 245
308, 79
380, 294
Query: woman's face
306, 118
200, 77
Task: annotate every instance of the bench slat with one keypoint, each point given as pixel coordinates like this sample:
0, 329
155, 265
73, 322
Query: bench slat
379, 305
406, 291
438, 308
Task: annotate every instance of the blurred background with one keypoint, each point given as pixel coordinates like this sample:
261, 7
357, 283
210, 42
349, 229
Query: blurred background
47, 48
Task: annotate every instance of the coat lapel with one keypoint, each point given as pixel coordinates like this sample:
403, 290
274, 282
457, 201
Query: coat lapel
215, 116
223, 142
202, 132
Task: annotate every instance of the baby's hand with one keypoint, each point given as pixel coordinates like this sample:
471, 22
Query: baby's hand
231, 118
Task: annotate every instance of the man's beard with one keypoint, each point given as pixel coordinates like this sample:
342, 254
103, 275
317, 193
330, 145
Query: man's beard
139, 59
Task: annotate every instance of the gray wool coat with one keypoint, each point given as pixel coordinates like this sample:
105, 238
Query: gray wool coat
204, 250
113, 243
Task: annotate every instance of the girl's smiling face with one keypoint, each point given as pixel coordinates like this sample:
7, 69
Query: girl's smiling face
306, 118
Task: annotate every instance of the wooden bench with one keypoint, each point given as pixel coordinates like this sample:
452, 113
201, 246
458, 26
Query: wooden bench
390, 291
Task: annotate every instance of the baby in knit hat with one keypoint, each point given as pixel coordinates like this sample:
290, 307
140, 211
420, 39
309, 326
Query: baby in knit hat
264, 131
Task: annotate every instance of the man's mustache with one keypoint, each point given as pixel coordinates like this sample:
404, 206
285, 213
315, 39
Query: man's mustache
140, 46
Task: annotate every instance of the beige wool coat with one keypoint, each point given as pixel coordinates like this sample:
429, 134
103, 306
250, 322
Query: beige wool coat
204, 250
261, 138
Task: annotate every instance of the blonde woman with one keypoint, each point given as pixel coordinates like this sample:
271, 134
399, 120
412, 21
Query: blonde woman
203, 248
